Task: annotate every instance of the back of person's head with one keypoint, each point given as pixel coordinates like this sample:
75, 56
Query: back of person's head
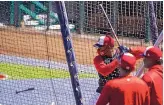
127, 62
106, 40
153, 53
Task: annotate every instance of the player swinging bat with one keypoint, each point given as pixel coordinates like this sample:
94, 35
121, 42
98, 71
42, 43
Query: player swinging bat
105, 62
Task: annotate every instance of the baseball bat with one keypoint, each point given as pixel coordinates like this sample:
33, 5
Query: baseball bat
158, 41
29, 89
110, 24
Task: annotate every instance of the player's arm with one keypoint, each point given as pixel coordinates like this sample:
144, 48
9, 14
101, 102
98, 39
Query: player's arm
148, 80
137, 51
104, 98
105, 69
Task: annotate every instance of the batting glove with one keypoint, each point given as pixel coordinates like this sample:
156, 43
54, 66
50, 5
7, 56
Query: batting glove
123, 49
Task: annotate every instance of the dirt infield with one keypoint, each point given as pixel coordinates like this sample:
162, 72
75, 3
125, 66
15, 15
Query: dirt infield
41, 45
48, 45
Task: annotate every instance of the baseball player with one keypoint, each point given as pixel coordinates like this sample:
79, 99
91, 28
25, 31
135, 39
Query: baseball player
127, 89
104, 62
154, 77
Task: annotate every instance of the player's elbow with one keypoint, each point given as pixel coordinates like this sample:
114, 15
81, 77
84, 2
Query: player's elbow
104, 71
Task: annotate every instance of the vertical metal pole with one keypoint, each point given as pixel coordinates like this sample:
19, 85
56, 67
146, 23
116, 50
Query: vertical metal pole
115, 15
147, 22
153, 25
16, 13
12, 13
82, 16
62, 14
32, 7
48, 14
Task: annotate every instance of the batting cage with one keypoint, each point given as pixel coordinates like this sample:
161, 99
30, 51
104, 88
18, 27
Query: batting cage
46, 48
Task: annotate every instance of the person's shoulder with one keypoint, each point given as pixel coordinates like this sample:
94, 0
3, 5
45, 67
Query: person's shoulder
146, 77
131, 80
139, 83
149, 72
156, 68
120, 82
138, 80
115, 82
97, 57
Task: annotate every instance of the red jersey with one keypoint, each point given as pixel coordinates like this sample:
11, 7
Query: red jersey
128, 90
154, 80
103, 68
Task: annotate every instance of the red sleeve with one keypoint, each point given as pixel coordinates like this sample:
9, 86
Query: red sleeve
137, 51
148, 80
105, 96
104, 69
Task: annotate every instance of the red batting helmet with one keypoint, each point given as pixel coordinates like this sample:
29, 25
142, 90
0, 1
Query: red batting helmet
104, 40
128, 61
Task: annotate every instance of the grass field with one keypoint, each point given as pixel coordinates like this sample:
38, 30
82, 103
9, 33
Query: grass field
15, 71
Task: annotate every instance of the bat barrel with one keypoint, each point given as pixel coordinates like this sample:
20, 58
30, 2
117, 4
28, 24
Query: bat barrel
110, 24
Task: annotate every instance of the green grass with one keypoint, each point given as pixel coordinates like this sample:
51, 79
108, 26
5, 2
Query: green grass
15, 71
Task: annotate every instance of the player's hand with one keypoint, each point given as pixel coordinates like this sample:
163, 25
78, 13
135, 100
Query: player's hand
123, 49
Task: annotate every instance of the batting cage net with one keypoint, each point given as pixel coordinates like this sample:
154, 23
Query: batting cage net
33, 62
